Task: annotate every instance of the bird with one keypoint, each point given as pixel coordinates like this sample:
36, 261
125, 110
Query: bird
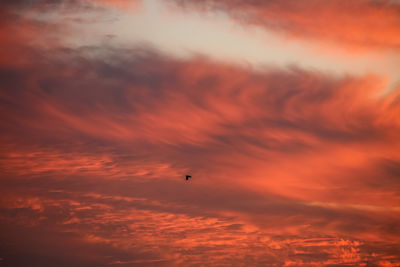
187, 177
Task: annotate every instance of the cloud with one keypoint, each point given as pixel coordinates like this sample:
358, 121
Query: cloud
290, 167
334, 21
23, 5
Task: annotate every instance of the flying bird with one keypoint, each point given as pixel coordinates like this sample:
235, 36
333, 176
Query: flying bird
187, 177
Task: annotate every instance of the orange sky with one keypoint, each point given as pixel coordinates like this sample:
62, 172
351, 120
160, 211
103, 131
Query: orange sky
295, 161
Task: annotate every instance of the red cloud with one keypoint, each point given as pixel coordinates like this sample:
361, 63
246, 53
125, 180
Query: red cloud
354, 24
290, 167
121, 4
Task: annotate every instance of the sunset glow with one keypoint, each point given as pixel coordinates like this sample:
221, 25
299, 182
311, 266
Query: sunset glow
286, 114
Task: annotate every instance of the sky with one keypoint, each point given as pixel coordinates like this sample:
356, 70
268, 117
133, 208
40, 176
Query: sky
285, 113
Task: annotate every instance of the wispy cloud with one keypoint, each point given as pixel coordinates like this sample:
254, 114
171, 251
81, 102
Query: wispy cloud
291, 167
357, 24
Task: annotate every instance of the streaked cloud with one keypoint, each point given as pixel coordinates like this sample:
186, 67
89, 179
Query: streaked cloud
377, 24
291, 166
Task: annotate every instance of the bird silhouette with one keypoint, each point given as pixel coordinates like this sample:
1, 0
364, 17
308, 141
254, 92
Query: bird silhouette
187, 177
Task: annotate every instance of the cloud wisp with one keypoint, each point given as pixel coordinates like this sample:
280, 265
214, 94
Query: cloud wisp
333, 21
290, 167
